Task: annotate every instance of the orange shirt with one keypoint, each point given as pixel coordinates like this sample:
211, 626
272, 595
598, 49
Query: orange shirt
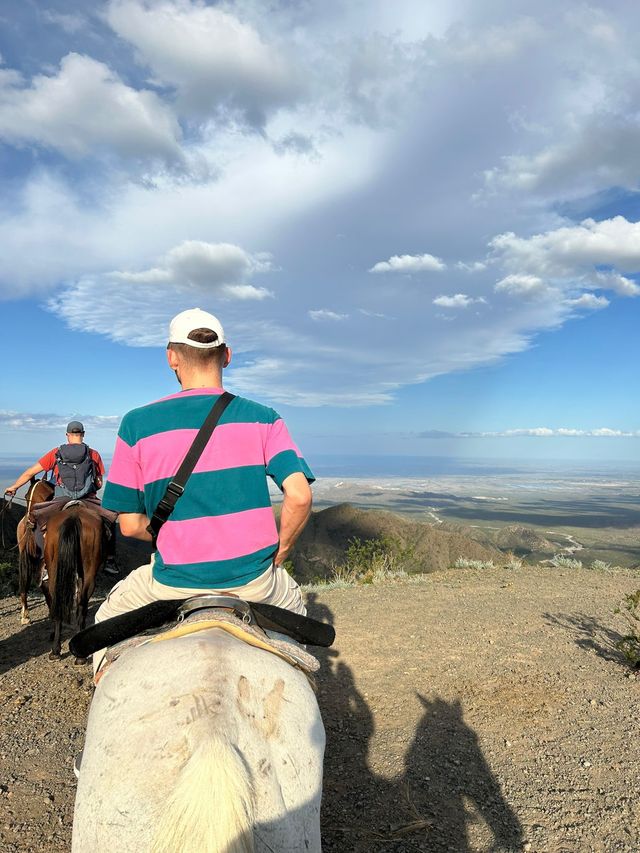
48, 462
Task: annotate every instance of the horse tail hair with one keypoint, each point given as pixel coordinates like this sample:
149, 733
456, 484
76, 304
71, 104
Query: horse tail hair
211, 806
68, 569
28, 560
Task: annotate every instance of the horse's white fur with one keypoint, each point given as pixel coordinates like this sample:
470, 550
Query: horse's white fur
198, 744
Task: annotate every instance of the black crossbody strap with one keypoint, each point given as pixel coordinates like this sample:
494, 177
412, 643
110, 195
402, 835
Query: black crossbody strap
176, 486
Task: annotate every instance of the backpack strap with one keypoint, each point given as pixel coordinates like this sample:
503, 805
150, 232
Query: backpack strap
176, 487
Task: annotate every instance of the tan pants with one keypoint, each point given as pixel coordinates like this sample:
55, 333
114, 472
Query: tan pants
274, 586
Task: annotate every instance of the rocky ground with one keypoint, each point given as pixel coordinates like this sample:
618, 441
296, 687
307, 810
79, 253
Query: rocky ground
465, 711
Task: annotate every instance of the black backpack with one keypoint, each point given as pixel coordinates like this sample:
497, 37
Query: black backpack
76, 471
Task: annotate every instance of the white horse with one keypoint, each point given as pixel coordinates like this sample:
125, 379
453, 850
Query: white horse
201, 744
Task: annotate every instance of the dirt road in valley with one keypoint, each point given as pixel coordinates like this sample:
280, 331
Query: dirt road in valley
470, 711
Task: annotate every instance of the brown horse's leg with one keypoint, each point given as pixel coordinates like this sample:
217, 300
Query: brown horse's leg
44, 589
55, 649
91, 561
25, 566
85, 595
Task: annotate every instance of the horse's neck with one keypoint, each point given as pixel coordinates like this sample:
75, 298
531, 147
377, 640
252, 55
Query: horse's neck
41, 492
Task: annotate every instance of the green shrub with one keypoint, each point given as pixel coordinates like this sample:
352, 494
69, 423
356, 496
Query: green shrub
464, 563
8, 578
600, 566
560, 561
288, 567
629, 645
368, 561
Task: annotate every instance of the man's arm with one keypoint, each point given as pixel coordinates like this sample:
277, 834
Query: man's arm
296, 509
134, 524
24, 478
99, 469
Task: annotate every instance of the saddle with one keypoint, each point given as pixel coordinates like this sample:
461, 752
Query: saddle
256, 615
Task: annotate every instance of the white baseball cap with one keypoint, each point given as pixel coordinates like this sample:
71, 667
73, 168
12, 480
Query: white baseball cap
195, 318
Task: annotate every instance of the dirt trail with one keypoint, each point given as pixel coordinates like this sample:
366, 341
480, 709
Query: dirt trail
472, 711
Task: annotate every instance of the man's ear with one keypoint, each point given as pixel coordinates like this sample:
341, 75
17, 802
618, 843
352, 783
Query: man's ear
227, 358
172, 358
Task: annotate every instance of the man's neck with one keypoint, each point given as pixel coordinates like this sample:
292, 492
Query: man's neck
198, 379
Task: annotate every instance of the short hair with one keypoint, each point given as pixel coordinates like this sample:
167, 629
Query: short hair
198, 357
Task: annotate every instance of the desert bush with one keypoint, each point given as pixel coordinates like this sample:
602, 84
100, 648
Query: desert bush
560, 561
8, 578
600, 566
513, 562
367, 561
629, 645
464, 563
370, 560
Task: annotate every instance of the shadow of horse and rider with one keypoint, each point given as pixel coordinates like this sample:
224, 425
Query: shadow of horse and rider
446, 782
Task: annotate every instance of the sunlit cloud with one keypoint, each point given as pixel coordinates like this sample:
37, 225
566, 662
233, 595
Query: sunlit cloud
458, 300
325, 314
409, 264
535, 432
60, 111
37, 422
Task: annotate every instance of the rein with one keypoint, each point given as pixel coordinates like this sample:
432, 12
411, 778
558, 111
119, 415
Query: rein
7, 504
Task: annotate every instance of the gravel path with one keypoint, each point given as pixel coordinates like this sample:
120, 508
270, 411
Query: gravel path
468, 711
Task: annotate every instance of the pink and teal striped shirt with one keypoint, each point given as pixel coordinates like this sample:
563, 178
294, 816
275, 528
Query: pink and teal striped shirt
222, 532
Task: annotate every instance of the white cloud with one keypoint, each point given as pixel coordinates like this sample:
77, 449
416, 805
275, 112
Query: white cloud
527, 286
620, 284
84, 109
192, 271
536, 432
216, 62
51, 232
600, 152
376, 314
589, 301
563, 265
546, 432
565, 250
474, 266
10, 421
325, 314
207, 266
459, 300
409, 264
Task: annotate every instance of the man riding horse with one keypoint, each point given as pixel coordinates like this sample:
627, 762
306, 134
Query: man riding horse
77, 471
222, 536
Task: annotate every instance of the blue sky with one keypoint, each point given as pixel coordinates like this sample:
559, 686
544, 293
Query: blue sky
417, 222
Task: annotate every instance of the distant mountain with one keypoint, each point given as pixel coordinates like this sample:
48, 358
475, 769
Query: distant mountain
523, 541
428, 548
323, 544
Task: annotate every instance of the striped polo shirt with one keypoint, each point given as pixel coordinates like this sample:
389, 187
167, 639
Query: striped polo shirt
222, 532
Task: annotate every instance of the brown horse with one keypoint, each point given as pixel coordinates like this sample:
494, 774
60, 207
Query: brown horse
73, 552
30, 559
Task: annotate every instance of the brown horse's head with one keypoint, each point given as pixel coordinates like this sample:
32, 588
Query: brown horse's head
39, 491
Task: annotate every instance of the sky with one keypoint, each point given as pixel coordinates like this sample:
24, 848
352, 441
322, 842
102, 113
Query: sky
419, 222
